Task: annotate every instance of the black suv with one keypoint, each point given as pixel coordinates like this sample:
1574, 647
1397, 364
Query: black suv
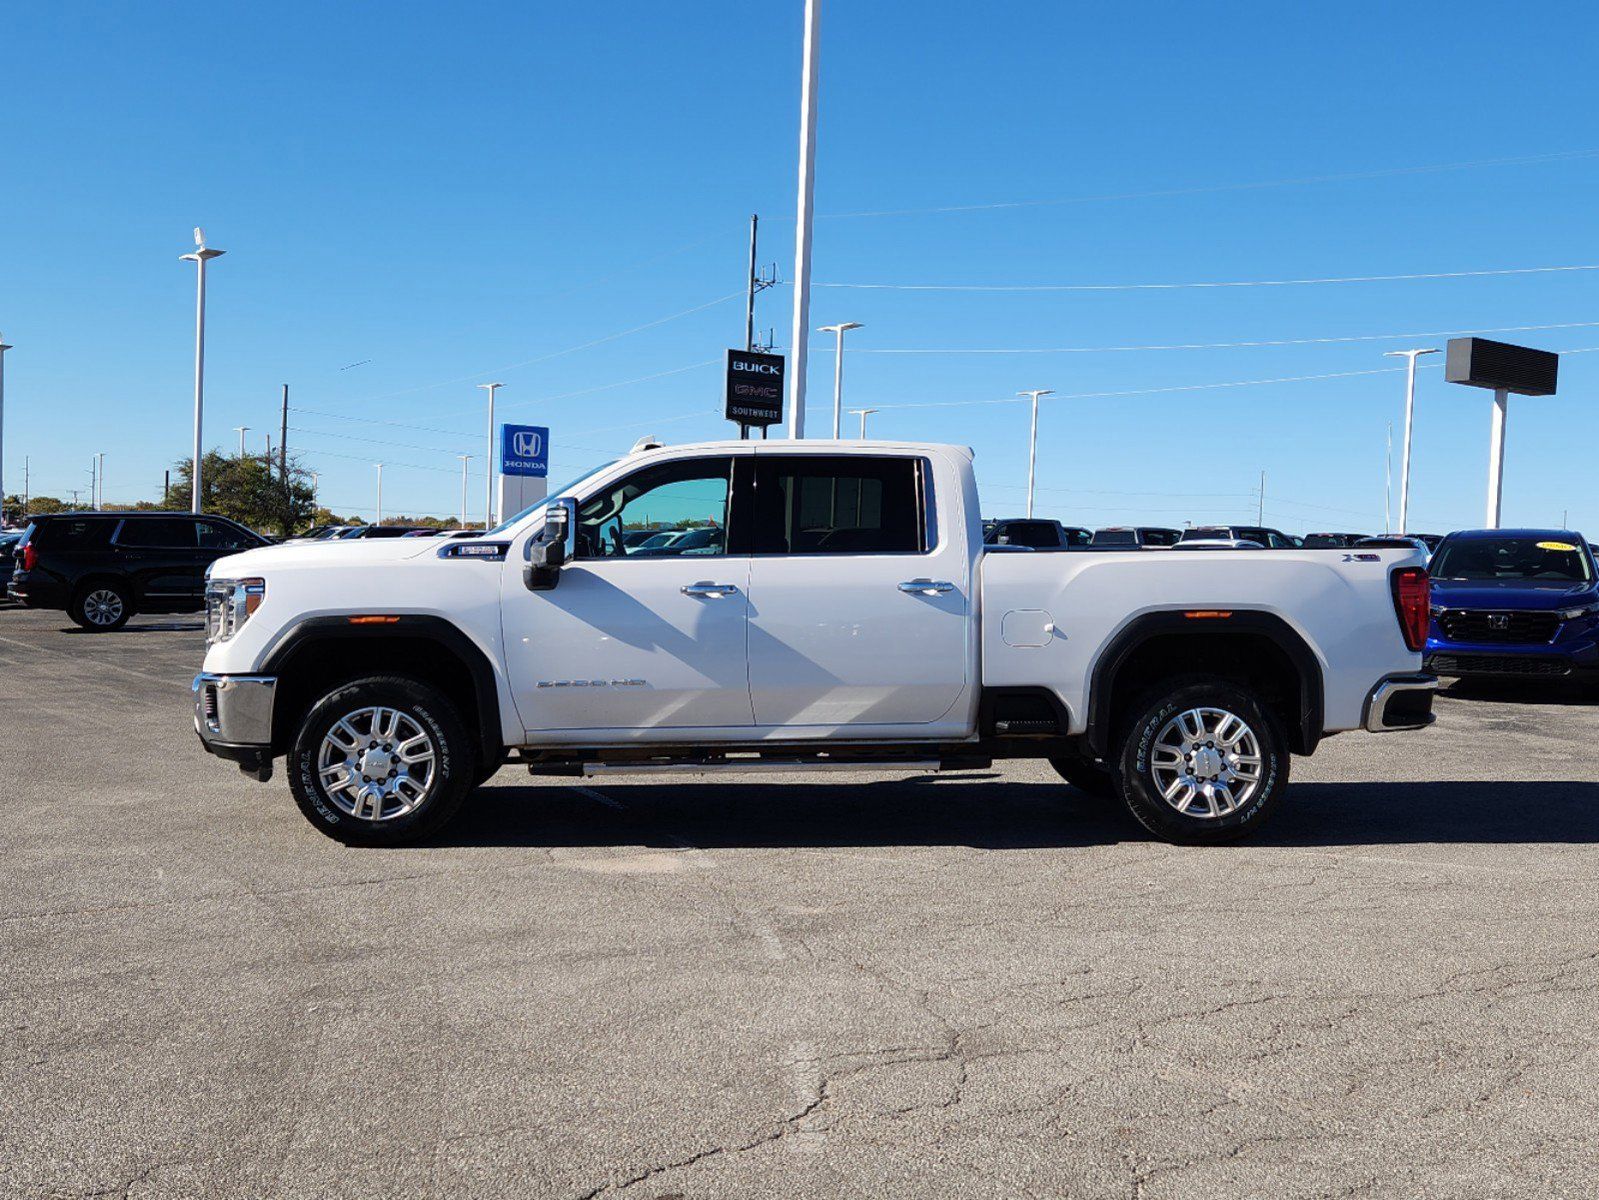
103, 567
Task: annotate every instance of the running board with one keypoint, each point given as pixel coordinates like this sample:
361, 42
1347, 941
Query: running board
769, 765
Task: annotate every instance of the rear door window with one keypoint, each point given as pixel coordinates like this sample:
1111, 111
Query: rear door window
843, 504
73, 533
159, 533
216, 535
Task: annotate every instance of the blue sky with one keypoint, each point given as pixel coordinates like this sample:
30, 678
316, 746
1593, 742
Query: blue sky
451, 194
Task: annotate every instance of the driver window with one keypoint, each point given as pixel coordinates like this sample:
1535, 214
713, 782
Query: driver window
676, 509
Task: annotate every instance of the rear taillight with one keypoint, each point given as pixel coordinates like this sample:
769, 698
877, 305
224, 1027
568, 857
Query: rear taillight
30, 558
1411, 600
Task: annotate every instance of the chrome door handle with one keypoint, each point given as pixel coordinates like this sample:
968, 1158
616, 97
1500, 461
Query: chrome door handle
926, 587
706, 588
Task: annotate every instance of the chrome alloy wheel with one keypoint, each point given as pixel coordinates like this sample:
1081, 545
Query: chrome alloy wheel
102, 607
1206, 762
377, 763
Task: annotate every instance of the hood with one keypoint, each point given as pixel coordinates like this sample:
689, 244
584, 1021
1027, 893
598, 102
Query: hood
1512, 595
333, 555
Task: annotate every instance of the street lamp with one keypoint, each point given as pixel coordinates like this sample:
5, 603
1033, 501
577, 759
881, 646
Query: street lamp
488, 512
465, 458
199, 257
838, 370
1032, 442
1410, 412
379, 466
862, 412
3, 349
241, 430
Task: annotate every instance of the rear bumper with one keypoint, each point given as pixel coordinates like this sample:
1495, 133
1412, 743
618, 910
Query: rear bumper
1401, 702
233, 716
26, 589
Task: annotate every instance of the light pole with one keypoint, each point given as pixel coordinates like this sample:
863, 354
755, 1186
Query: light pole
806, 205
1032, 442
488, 511
862, 413
241, 430
1410, 411
3, 349
379, 466
465, 458
316, 486
838, 371
199, 257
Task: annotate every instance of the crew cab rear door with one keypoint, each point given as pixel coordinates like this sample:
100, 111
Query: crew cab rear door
859, 605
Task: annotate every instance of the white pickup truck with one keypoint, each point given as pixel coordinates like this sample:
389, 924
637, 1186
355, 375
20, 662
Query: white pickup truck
830, 604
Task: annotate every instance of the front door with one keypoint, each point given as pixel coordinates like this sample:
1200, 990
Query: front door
859, 605
638, 642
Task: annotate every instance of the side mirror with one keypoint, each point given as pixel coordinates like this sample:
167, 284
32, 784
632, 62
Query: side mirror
549, 551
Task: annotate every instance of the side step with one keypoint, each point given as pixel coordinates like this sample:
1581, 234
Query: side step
739, 764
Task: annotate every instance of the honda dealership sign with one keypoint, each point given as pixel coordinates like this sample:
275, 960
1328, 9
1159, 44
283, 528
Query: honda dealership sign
524, 450
754, 387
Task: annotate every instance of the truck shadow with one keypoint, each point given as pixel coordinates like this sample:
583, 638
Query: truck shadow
1564, 692
1005, 816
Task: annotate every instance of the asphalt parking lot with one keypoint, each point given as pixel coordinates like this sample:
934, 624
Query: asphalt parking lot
975, 986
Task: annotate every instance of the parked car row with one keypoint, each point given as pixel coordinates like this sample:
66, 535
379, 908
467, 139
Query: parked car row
1044, 534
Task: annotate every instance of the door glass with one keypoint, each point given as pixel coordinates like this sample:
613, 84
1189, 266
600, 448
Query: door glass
160, 533
216, 536
681, 506
845, 504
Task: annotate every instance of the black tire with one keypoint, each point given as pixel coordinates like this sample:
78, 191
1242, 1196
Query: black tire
1086, 775
384, 819
1146, 749
101, 606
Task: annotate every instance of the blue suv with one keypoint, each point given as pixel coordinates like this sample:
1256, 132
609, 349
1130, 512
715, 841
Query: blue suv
1513, 602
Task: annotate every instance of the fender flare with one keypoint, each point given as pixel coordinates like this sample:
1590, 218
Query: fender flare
298, 637
1305, 733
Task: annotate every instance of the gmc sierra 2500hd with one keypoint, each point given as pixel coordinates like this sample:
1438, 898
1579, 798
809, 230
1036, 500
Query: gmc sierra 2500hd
832, 606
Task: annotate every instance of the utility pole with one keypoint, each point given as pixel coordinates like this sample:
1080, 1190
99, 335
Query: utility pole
3, 349
758, 282
241, 430
1410, 411
465, 458
488, 511
268, 458
838, 369
805, 209
316, 488
99, 475
379, 466
1260, 504
200, 257
27, 487
94, 487
1032, 442
283, 467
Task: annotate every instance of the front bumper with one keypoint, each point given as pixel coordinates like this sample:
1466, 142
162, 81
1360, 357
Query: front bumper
1401, 702
233, 716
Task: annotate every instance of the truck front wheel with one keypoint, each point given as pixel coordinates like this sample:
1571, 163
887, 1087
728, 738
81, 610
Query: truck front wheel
1202, 761
384, 761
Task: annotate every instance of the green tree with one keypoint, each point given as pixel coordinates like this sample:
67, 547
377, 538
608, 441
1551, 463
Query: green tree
249, 490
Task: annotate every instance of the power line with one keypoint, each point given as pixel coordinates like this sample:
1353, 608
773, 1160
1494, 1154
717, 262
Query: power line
1262, 343
1182, 387
1160, 287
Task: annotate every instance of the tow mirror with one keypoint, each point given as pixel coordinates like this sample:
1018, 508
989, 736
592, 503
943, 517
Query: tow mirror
548, 552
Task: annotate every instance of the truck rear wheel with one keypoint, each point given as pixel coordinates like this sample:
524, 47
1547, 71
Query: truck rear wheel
1202, 761
384, 761
101, 607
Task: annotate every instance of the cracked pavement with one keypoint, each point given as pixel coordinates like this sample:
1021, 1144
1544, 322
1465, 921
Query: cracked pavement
983, 985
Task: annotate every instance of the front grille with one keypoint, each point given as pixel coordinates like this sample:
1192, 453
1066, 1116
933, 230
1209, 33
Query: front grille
1487, 625
1496, 664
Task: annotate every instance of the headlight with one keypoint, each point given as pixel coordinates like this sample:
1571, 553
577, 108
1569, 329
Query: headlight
1573, 614
229, 603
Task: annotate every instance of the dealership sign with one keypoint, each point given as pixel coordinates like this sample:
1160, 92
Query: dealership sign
525, 450
754, 387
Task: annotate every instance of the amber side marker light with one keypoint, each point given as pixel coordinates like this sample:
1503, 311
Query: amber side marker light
1207, 614
374, 620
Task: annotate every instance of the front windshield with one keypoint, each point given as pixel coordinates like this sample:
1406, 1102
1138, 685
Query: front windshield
1547, 558
555, 494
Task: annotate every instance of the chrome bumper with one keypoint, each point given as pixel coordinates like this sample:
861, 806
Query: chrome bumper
1401, 702
234, 711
